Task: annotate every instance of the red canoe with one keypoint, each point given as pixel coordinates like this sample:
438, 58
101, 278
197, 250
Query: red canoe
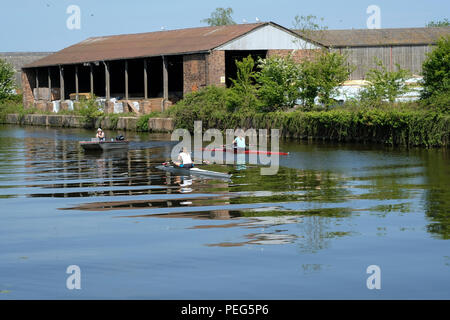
247, 151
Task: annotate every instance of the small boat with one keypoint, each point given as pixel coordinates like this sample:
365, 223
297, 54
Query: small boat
194, 170
96, 145
246, 151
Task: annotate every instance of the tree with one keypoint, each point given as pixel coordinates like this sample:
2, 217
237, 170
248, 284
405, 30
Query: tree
320, 77
220, 17
7, 85
242, 95
436, 70
279, 83
439, 23
310, 27
384, 84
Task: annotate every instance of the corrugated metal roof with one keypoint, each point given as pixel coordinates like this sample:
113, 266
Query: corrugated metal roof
376, 37
147, 44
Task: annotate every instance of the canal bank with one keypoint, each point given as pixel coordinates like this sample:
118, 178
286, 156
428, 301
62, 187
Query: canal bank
73, 121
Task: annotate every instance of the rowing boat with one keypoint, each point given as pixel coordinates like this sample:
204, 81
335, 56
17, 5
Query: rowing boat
195, 171
246, 151
97, 145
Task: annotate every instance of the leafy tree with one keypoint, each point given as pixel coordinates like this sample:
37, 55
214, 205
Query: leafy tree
220, 17
384, 84
279, 81
320, 77
7, 84
439, 23
310, 27
436, 70
242, 95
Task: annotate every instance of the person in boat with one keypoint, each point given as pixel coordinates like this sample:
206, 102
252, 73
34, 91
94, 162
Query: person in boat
100, 134
239, 142
185, 160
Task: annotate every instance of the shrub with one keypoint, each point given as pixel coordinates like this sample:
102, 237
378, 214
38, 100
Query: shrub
7, 85
436, 70
89, 109
279, 82
385, 85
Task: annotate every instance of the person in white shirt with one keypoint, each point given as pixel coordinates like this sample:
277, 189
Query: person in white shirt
100, 134
239, 142
185, 160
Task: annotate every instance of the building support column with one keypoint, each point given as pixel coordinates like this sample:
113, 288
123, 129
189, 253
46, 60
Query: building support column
91, 77
49, 84
37, 84
126, 79
107, 81
61, 83
165, 81
76, 84
145, 80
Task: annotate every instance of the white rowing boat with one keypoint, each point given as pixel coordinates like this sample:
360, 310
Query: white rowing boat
195, 171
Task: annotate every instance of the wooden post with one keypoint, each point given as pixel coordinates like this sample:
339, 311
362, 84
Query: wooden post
61, 82
108, 85
126, 79
91, 76
49, 84
76, 84
145, 80
165, 81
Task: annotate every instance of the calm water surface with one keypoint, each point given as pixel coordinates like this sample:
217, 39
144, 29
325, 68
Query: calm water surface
309, 232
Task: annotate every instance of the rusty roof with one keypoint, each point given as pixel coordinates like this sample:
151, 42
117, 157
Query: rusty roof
376, 37
116, 47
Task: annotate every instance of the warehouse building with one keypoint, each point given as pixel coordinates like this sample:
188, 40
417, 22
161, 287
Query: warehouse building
149, 71
404, 46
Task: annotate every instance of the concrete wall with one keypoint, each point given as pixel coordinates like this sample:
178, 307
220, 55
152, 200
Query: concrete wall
68, 121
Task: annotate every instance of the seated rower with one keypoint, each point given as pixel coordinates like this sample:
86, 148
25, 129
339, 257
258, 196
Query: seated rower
100, 134
239, 142
185, 160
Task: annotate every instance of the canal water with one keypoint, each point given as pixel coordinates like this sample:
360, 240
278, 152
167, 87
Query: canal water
135, 232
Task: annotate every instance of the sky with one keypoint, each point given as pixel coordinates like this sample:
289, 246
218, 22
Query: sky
41, 25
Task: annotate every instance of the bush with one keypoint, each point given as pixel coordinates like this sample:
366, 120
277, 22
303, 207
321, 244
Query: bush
385, 85
7, 85
436, 70
90, 110
209, 103
242, 96
279, 82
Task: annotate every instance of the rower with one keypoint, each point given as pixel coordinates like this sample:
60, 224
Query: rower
100, 134
239, 142
185, 160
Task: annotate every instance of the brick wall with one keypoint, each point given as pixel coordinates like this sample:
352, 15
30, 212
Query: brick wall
216, 68
28, 83
194, 72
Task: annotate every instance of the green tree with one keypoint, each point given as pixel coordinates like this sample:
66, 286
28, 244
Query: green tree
385, 85
438, 23
220, 17
436, 70
7, 84
321, 75
278, 79
242, 95
309, 27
